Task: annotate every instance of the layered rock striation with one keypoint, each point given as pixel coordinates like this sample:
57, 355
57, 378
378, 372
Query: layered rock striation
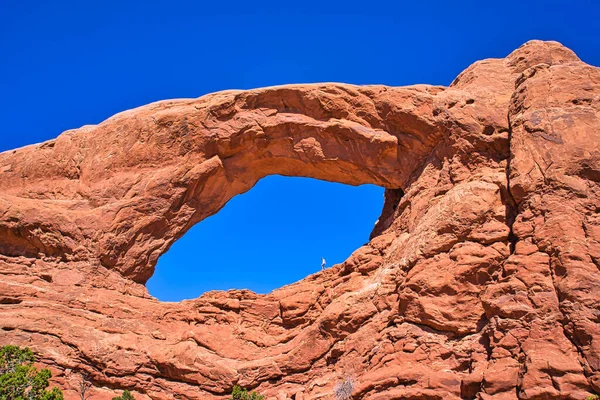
481, 279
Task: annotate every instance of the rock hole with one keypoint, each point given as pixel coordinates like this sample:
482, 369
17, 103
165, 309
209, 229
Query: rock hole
273, 235
489, 130
10, 300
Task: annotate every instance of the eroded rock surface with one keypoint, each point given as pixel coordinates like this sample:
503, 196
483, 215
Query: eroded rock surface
482, 278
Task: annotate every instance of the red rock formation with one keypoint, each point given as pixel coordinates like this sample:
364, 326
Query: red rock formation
482, 278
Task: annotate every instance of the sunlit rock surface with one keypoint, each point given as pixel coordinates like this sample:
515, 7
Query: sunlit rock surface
482, 278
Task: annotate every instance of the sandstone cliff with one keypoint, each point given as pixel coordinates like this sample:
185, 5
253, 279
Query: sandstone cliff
482, 278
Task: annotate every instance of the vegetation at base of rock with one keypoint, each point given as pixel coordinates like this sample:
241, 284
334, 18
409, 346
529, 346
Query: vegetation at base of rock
125, 396
242, 394
83, 386
344, 389
20, 380
593, 397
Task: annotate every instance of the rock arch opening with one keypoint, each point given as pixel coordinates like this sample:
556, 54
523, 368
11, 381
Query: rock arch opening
135, 183
273, 235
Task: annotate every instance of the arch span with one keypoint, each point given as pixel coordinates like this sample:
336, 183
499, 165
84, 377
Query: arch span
138, 181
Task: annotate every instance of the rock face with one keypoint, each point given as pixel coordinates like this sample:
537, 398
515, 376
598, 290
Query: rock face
482, 278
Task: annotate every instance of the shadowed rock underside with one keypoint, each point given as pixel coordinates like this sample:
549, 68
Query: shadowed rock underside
481, 279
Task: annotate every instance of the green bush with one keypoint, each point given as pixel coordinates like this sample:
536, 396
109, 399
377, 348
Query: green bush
125, 396
242, 394
20, 380
593, 397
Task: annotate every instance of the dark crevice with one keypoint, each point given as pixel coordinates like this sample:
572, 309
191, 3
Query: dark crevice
470, 390
485, 341
522, 360
392, 198
508, 199
10, 300
512, 211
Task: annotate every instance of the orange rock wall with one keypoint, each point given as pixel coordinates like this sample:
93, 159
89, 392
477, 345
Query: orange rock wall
481, 280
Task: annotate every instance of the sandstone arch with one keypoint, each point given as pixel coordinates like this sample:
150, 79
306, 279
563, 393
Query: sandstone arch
485, 259
139, 180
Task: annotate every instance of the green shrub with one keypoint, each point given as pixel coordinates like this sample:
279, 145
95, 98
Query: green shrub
20, 380
593, 397
242, 394
125, 396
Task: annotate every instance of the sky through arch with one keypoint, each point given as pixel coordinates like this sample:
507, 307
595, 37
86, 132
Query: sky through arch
274, 234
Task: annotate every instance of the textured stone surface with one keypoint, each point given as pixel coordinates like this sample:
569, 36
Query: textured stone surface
482, 278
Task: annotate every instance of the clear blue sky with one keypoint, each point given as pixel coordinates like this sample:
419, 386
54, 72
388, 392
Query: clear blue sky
69, 63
